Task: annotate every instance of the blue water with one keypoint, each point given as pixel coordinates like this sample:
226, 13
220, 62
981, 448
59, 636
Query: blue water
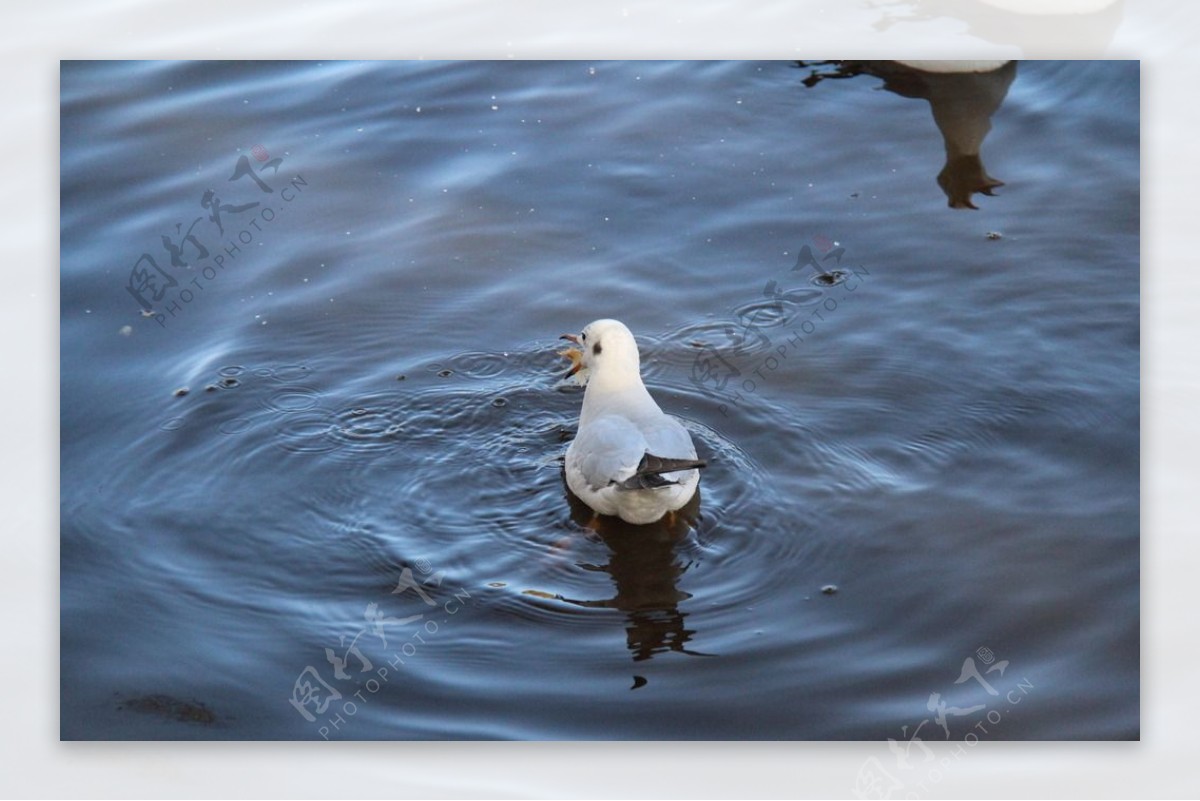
923, 449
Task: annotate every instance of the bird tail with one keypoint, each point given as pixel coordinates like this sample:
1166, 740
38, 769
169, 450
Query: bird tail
649, 473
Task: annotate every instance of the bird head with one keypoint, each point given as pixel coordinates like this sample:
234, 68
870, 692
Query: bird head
607, 354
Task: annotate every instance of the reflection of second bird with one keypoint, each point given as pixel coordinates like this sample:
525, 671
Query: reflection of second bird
963, 96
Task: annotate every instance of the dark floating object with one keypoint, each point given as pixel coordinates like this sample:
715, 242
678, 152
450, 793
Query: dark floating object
401, 377
211, 388
638, 681
172, 708
445, 373
830, 279
229, 382
179, 393
498, 402
993, 235
829, 589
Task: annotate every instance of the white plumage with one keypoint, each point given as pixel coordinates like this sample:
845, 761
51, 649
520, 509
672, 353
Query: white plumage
628, 458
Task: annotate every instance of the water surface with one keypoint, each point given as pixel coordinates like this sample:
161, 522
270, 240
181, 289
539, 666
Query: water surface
923, 440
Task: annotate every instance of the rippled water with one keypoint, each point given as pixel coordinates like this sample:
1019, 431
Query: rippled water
923, 443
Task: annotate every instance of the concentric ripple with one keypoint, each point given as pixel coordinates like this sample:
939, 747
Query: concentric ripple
368, 423
306, 432
293, 399
462, 464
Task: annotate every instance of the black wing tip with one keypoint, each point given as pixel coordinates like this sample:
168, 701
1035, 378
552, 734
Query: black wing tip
649, 474
659, 464
646, 481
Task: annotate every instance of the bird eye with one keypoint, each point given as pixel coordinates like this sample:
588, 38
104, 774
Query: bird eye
583, 337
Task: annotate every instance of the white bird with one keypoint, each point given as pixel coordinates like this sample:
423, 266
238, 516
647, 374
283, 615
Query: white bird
628, 458
948, 67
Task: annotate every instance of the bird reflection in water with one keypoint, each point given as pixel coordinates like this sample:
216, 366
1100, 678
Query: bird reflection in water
645, 565
963, 96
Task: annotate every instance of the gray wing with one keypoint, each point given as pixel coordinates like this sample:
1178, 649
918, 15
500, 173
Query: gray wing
668, 439
670, 453
613, 450
608, 450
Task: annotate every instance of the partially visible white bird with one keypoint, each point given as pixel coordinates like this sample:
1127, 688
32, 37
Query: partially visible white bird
947, 67
628, 458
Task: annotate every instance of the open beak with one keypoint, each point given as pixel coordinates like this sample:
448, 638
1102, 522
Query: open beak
573, 354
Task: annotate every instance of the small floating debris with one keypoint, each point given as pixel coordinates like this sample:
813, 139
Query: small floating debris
499, 402
211, 388
173, 708
549, 596
445, 373
126, 330
829, 589
179, 393
229, 382
497, 584
994, 235
638, 681
401, 377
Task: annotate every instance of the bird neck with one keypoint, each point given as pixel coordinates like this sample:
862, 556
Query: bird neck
606, 388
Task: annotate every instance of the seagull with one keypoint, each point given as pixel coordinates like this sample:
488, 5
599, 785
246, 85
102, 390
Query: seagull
628, 458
